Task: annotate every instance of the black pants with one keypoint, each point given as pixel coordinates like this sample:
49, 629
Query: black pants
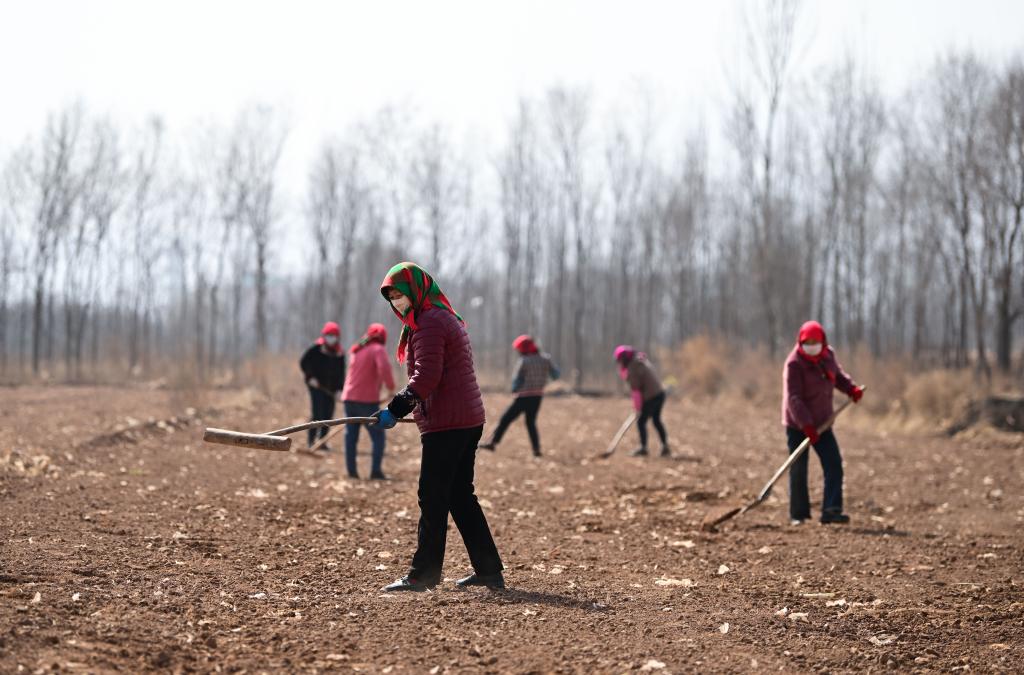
322, 405
831, 465
651, 410
528, 405
446, 486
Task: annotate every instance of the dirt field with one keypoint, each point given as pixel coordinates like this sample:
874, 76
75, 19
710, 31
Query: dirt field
128, 545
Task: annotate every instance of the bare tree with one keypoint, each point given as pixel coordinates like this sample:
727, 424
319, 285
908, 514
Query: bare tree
337, 207
770, 31
960, 87
1001, 173
568, 119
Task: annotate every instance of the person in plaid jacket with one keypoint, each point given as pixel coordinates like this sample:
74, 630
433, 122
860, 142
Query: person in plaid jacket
532, 375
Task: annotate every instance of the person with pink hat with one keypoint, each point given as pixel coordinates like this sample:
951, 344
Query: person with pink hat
647, 393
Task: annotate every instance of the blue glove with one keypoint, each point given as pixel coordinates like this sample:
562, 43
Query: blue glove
385, 420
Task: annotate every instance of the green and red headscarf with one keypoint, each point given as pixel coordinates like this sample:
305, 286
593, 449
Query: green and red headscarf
422, 291
375, 332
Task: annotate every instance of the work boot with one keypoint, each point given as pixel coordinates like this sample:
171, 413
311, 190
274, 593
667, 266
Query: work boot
488, 446
834, 518
408, 583
494, 581
639, 452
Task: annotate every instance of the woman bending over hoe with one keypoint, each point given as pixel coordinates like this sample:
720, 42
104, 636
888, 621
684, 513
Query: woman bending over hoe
648, 395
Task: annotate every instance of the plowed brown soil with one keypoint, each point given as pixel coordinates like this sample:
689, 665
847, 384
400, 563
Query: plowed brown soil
126, 544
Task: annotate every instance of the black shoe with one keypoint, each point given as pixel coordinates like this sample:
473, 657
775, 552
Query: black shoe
639, 452
536, 452
354, 475
488, 446
665, 452
378, 475
834, 518
493, 581
408, 583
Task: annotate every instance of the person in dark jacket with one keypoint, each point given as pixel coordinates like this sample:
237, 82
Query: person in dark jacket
323, 366
445, 398
647, 393
532, 375
809, 377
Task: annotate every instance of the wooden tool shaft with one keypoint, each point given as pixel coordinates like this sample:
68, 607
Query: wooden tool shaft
329, 423
618, 435
243, 440
277, 439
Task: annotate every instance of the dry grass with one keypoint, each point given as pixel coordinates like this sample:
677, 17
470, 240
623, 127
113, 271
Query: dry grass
703, 369
898, 397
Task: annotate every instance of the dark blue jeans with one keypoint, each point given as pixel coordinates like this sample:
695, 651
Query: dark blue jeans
357, 409
831, 464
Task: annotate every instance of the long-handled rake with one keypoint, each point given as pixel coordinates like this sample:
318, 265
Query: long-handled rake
712, 522
278, 439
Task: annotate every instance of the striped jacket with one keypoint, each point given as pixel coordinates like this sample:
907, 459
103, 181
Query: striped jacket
533, 373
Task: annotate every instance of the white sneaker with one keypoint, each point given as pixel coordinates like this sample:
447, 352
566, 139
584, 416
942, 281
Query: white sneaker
797, 522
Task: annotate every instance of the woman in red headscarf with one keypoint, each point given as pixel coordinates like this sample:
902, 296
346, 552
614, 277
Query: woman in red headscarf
323, 366
532, 374
368, 372
810, 375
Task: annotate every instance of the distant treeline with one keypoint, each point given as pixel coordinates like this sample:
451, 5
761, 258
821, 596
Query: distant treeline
897, 222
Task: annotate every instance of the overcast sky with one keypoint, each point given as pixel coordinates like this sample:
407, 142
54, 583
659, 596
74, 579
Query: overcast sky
461, 62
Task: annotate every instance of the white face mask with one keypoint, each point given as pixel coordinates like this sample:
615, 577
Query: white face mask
812, 350
330, 340
402, 304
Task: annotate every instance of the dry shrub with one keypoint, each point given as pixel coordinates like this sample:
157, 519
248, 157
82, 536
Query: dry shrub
707, 367
937, 395
703, 366
884, 378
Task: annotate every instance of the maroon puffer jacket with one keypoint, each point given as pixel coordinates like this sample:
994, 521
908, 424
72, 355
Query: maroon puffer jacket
440, 367
807, 388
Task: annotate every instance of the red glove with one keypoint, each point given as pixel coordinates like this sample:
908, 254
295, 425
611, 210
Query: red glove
857, 394
811, 433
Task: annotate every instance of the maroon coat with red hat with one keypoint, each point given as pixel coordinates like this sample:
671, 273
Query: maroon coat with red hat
441, 374
808, 381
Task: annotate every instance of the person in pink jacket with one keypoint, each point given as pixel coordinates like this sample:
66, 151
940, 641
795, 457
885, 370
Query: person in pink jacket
369, 371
